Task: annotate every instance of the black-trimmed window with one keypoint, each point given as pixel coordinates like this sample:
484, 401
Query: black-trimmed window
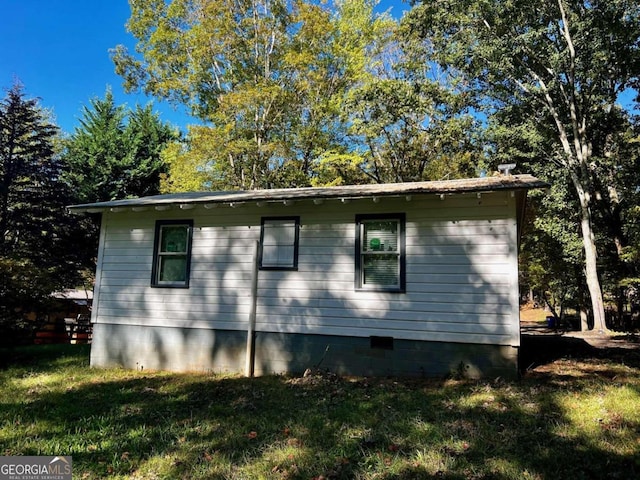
279, 241
172, 253
380, 252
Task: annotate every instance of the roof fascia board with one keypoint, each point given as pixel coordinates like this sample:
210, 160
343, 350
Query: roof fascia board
351, 192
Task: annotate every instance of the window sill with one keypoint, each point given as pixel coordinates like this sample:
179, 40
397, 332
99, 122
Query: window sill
290, 269
169, 285
380, 289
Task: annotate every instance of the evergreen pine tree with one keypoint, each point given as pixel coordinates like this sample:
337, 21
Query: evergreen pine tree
38, 254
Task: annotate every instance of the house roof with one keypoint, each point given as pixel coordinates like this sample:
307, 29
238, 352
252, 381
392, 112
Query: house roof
443, 187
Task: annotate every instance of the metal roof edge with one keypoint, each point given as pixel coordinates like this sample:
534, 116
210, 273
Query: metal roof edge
467, 185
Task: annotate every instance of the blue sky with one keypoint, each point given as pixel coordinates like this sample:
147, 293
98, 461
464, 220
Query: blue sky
59, 50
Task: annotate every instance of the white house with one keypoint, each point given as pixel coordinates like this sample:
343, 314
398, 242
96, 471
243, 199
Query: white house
397, 279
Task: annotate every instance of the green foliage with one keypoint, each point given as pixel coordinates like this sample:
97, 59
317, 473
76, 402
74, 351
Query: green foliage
25, 289
190, 163
109, 158
38, 251
632, 251
146, 137
335, 168
328, 56
411, 118
629, 280
289, 92
552, 243
225, 60
28, 166
551, 252
95, 151
523, 51
552, 70
556, 68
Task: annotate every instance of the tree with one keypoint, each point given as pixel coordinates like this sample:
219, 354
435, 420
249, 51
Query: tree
190, 163
626, 215
331, 59
96, 153
108, 158
562, 64
551, 253
410, 119
37, 255
552, 244
631, 257
223, 59
146, 136
267, 77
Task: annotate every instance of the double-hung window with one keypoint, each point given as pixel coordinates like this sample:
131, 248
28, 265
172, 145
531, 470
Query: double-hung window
279, 240
380, 252
172, 253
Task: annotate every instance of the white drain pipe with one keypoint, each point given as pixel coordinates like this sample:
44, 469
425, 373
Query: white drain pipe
251, 334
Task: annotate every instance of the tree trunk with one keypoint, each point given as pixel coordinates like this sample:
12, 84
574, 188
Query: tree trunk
584, 319
590, 260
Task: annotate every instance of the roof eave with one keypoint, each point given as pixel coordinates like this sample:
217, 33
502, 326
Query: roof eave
352, 192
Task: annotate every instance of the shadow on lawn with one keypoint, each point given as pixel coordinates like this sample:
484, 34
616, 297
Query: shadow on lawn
211, 427
543, 349
44, 357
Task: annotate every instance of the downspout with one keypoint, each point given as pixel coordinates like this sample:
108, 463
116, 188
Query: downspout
251, 333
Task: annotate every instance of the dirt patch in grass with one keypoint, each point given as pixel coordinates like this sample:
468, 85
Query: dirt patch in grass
530, 313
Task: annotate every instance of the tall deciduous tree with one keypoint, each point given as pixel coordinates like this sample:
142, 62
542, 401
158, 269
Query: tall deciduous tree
268, 78
563, 63
410, 119
556, 229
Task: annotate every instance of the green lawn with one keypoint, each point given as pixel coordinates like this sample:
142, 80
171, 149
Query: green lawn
578, 419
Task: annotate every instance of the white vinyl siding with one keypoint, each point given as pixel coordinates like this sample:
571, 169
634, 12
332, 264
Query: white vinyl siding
461, 272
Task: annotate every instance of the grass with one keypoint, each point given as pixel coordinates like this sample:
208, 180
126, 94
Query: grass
572, 418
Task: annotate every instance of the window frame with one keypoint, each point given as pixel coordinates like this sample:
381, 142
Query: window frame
359, 254
296, 245
157, 254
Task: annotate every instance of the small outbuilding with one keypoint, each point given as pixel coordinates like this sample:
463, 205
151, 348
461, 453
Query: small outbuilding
410, 279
